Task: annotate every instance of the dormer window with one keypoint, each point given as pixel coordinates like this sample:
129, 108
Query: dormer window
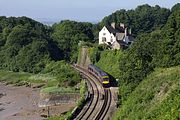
104, 33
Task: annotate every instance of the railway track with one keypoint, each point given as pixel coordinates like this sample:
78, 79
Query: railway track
93, 100
106, 105
96, 109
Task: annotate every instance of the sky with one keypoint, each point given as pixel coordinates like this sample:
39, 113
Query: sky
79, 10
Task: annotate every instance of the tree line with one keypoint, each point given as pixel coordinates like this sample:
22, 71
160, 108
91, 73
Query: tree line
157, 44
27, 45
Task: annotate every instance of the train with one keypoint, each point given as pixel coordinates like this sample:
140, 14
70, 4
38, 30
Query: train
100, 74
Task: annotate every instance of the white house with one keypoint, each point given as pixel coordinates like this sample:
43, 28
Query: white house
116, 36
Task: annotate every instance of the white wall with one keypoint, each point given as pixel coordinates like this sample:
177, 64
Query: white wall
107, 36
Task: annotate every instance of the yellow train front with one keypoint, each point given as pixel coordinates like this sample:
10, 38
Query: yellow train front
105, 80
100, 74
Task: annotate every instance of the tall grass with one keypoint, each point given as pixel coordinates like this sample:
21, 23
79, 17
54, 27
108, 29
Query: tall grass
22, 78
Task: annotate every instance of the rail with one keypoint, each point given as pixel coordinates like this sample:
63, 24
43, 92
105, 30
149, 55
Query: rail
101, 112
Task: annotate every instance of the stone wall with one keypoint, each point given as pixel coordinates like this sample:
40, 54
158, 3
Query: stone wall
85, 59
55, 99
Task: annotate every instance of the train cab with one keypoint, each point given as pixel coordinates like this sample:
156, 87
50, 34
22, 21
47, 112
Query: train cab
103, 76
105, 80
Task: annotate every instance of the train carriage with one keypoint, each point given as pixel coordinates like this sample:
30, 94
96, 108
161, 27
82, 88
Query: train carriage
102, 76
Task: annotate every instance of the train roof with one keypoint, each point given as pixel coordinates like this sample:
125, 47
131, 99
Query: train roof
101, 72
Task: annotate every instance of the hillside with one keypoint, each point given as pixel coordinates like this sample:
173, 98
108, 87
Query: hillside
156, 97
25, 45
143, 19
109, 62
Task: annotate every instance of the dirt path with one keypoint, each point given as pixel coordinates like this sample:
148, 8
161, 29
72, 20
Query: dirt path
21, 103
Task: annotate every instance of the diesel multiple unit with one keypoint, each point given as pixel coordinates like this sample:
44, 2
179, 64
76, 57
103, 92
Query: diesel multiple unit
101, 75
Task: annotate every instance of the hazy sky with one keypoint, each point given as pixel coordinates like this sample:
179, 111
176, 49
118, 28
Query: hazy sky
81, 10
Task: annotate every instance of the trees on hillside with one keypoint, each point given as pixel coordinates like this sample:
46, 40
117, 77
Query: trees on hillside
160, 48
68, 34
143, 19
25, 45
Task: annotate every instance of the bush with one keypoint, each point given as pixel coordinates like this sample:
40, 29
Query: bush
64, 73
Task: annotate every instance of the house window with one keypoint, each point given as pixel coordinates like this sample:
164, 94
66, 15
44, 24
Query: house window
111, 40
103, 39
104, 33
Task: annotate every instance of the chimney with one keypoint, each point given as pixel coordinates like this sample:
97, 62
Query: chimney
113, 24
130, 31
125, 32
122, 25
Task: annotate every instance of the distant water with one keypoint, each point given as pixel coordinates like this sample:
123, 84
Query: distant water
48, 23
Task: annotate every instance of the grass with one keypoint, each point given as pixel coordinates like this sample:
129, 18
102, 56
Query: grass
61, 117
83, 90
157, 97
58, 90
22, 78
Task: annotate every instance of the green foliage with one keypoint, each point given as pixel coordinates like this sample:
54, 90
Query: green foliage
160, 48
145, 54
21, 78
157, 45
136, 63
55, 74
170, 50
64, 73
66, 116
156, 97
95, 52
176, 7
68, 34
59, 90
83, 90
109, 62
26, 45
37, 57
143, 19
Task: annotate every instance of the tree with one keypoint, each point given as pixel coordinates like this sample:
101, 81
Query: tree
68, 34
144, 19
26, 45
